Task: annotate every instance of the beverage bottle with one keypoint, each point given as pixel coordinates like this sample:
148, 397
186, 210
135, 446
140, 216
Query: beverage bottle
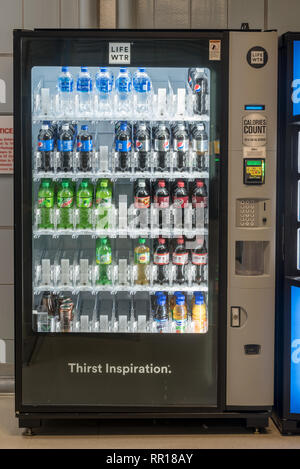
65, 88
172, 301
85, 149
200, 91
180, 259
65, 147
65, 203
45, 147
142, 145
199, 315
161, 201
180, 314
123, 147
191, 72
142, 203
142, 90
46, 204
104, 86
161, 259
180, 197
161, 316
84, 202
103, 203
162, 146
199, 259
123, 90
181, 146
103, 259
84, 89
199, 201
200, 145
142, 260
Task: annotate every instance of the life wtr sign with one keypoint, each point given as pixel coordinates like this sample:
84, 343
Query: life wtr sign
119, 53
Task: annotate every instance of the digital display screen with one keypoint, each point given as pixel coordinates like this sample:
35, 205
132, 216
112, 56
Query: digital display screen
254, 107
295, 351
254, 171
296, 79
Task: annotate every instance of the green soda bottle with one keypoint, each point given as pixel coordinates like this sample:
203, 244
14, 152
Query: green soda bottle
103, 203
46, 204
65, 203
103, 259
84, 201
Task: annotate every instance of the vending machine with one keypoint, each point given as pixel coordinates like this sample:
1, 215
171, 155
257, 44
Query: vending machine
287, 389
145, 182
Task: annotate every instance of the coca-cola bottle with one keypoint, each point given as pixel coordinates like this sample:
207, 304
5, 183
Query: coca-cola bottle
199, 259
161, 200
181, 146
142, 203
199, 202
161, 260
161, 146
142, 145
180, 259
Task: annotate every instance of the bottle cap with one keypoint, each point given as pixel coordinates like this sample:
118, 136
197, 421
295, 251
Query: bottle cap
64, 69
123, 126
161, 184
199, 300
84, 184
103, 240
45, 183
84, 69
161, 240
65, 183
180, 184
141, 69
123, 69
45, 126
180, 300
199, 240
159, 293
142, 183
176, 293
180, 240
65, 127
200, 183
84, 127
161, 300
103, 69
142, 240
104, 183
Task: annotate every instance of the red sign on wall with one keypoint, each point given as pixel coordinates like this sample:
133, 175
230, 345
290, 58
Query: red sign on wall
6, 145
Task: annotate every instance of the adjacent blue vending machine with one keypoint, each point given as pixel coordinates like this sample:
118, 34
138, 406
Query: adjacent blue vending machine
287, 375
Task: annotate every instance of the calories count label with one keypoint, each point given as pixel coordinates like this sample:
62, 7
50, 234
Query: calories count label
65, 145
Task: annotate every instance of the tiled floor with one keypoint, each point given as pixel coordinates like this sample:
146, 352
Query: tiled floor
98, 437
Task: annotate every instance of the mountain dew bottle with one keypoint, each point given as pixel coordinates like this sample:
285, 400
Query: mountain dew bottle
103, 259
65, 203
103, 203
46, 204
84, 202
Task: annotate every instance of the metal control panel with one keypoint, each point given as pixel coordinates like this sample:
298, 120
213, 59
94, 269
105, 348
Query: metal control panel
251, 218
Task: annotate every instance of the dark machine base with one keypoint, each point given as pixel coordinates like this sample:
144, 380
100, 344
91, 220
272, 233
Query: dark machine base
286, 426
227, 422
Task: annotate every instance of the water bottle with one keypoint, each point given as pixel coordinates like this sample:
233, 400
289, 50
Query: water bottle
104, 86
123, 90
142, 89
65, 89
84, 89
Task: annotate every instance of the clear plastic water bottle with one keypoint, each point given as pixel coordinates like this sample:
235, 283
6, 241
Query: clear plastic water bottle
65, 89
104, 86
142, 87
123, 90
84, 89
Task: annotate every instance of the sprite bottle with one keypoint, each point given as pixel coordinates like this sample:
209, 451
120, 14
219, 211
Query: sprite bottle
46, 204
84, 202
103, 203
65, 203
103, 259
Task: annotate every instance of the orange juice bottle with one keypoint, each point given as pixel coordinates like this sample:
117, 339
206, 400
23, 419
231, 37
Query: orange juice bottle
199, 315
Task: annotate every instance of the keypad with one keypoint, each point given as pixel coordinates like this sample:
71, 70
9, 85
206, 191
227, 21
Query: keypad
247, 213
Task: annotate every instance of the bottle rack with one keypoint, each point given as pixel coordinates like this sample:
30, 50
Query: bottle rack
96, 319
82, 275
